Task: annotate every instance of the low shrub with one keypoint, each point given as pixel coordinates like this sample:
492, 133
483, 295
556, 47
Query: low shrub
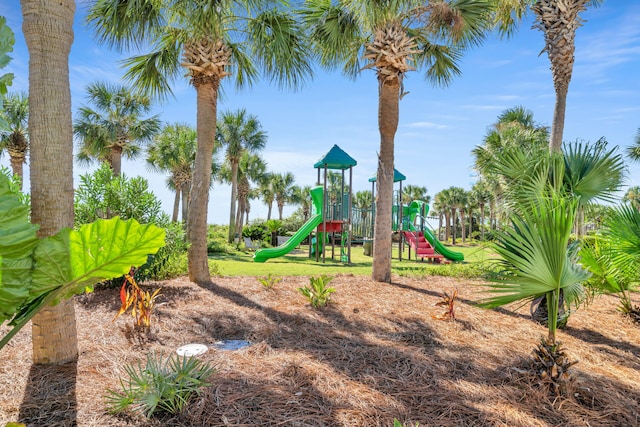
317, 292
161, 386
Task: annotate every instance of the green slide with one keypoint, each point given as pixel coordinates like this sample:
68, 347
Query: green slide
415, 213
262, 255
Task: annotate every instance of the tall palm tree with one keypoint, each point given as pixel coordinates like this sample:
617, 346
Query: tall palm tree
443, 203
251, 169
458, 202
48, 32
392, 38
559, 20
239, 132
283, 185
302, 196
414, 192
15, 111
173, 150
116, 126
211, 40
481, 194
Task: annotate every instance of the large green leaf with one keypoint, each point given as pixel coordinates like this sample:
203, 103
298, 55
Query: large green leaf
73, 261
17, 241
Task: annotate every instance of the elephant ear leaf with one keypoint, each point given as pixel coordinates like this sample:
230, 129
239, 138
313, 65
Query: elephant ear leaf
18, 239
99, 251
73, 261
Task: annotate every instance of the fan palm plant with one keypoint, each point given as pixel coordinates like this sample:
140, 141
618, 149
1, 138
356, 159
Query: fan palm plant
537, 258
614, 257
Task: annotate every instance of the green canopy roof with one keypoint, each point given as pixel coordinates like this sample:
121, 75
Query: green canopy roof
336, 158
397, 176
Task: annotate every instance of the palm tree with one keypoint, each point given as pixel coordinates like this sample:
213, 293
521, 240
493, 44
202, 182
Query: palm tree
414, 192
393, 38
251, 169
632, 196
302, 196
211, 40
15, 111
443, 203
458, 202
115, 128
481, 194
282, 188
265, 188
633, 152
559, 20
514, 126
48, 31
174, 150
239, 133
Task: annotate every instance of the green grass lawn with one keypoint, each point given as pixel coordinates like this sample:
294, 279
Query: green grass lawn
297, 263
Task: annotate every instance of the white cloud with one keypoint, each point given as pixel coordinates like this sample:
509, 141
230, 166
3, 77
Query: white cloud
427, 125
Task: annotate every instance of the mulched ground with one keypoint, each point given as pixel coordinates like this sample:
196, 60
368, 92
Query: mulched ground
374, 354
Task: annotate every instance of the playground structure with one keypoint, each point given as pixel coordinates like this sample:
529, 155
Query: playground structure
334, 219
331, 216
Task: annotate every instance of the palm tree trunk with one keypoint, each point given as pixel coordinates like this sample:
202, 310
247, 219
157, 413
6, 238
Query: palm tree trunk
16, 167
388, 117
447, 226
234, 198
270, 205
185, 191
48, 31
207, 101
463, 226
482, 222
280, 209
116, 160
176, 205
557, 126
453, 226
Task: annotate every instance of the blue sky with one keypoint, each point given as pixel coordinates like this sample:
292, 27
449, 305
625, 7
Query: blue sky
438, 126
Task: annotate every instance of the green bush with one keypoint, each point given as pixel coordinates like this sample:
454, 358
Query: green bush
171, 260
101, 195
256, 232
217, 239
160, 386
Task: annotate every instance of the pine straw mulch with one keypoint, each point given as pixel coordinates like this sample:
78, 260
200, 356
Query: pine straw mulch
375, 354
